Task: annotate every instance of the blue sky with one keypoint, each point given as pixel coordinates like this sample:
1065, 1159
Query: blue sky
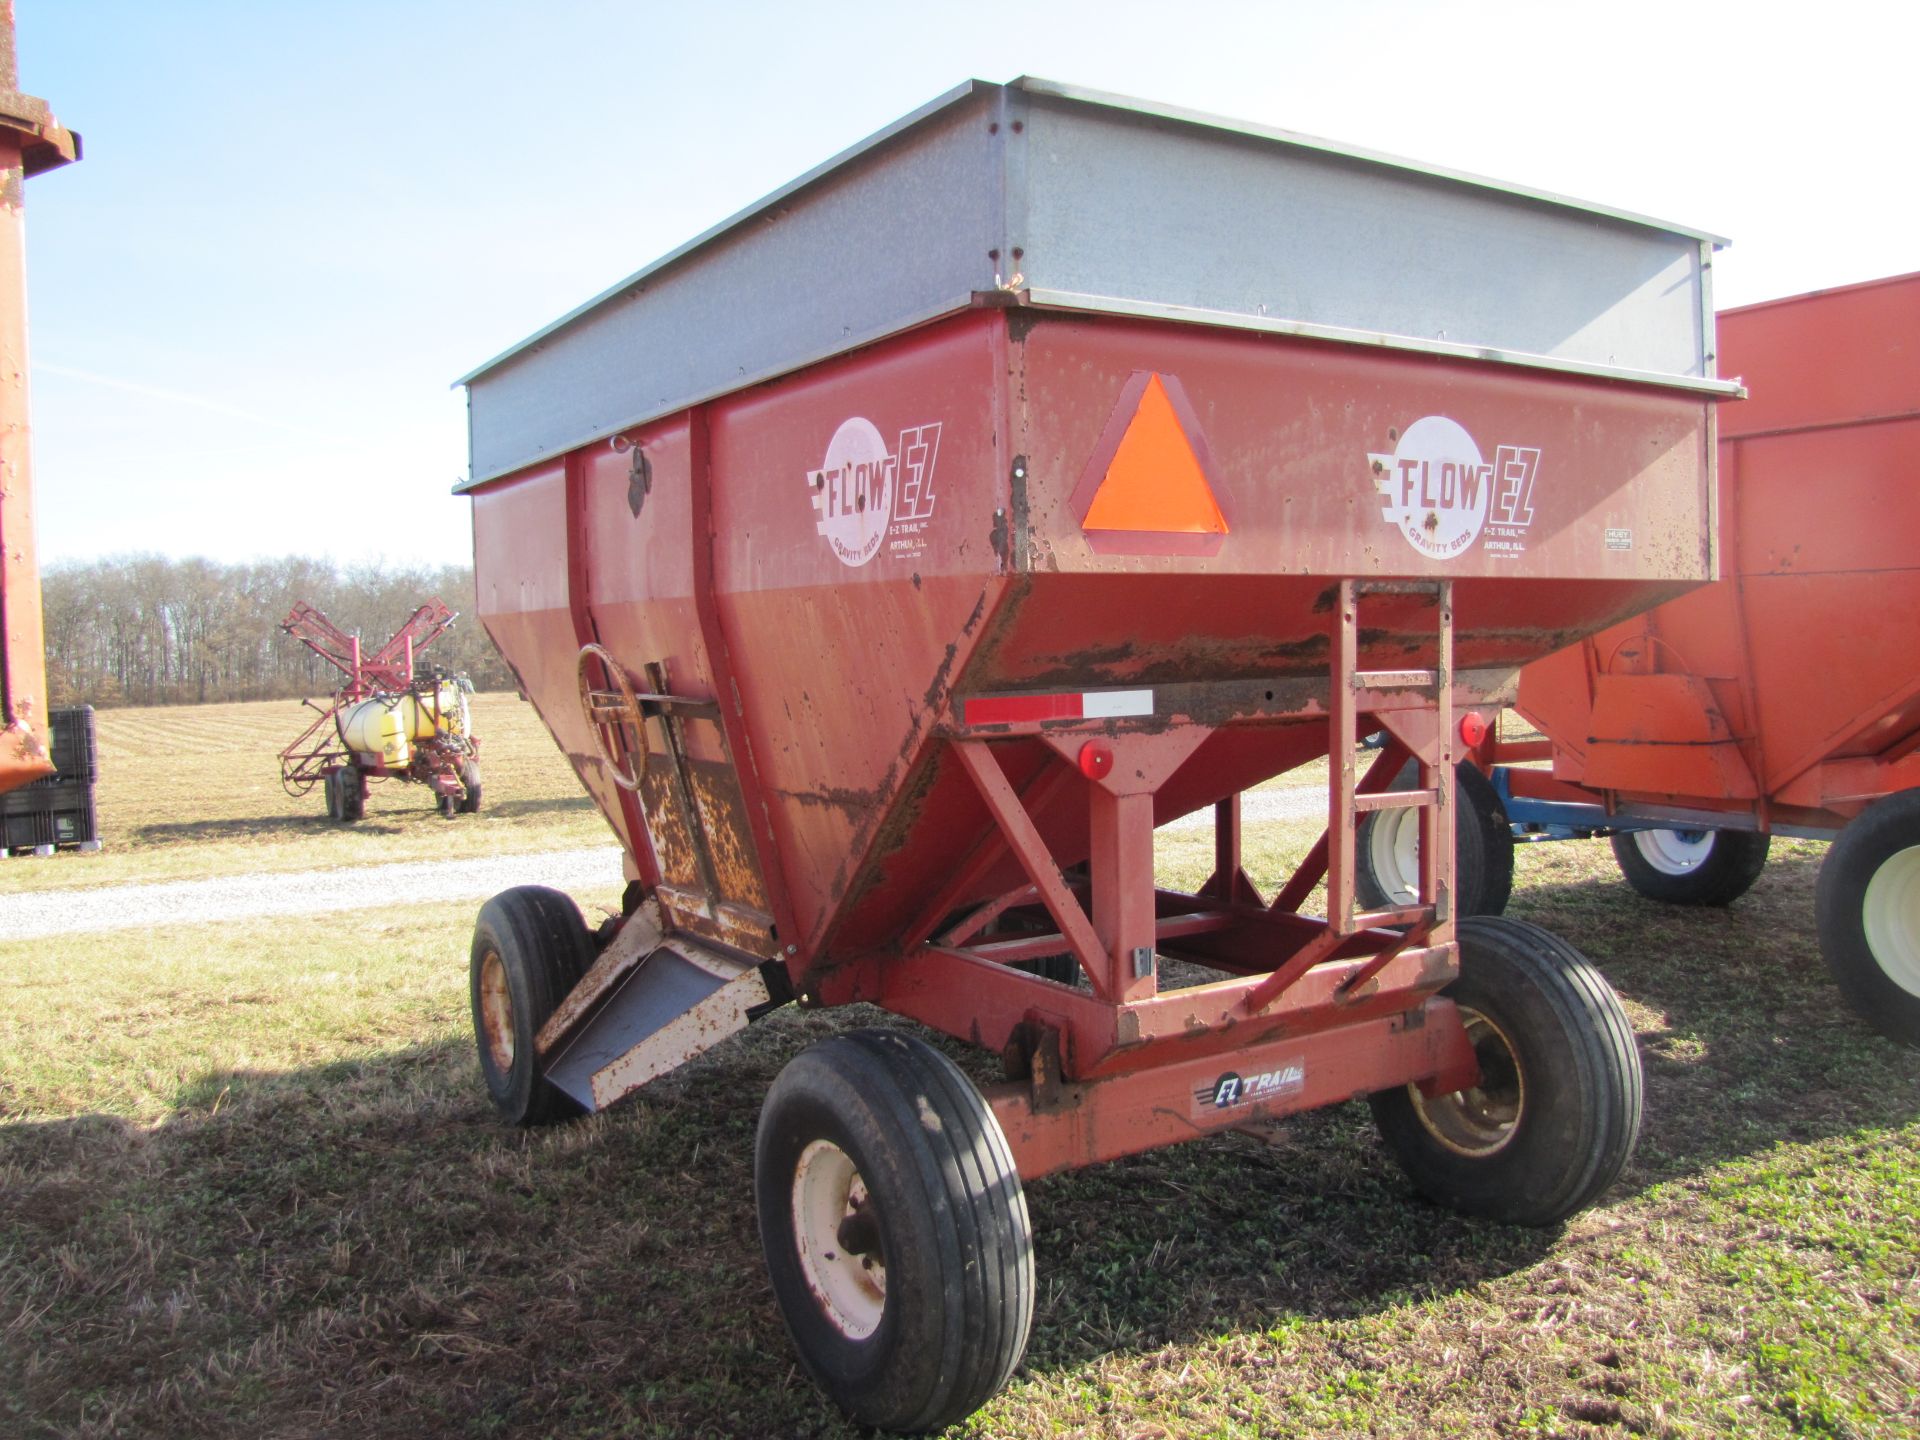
297, 223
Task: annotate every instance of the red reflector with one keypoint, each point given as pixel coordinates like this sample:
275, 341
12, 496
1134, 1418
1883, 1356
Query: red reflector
1472, 729
1096, 759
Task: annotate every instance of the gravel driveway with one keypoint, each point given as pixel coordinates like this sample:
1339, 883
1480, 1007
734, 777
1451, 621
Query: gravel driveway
312, 892
303, 892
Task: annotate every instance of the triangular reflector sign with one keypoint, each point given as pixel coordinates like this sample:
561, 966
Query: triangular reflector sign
1154, 481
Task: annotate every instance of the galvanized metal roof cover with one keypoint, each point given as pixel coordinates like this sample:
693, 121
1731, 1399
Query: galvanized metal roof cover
1078, 200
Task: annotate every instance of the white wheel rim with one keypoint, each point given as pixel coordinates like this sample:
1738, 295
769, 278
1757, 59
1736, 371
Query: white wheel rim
1890, 915
828, 1197
1480, 1121
1674, 852
1393, 847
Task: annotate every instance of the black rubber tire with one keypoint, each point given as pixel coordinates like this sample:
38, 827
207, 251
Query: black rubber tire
353, 794
1483, 846
470, 787
1882, 833
1578, 1083
543, 948
1732, 865
330, 784
952, 1229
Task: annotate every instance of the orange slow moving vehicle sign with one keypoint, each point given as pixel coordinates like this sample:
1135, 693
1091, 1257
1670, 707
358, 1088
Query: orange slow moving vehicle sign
1147, 491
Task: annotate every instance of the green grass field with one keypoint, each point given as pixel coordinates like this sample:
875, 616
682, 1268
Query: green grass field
250, 1184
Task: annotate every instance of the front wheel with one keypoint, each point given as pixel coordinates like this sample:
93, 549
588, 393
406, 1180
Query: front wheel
1691, 867
895, 1230
530, 947
1554, 1119
1867, 911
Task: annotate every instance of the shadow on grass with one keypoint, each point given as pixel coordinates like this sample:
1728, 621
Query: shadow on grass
362, 1246
1745, 1041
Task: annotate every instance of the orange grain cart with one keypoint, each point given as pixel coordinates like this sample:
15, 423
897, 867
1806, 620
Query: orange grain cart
1786, 698
887, 596
31, 142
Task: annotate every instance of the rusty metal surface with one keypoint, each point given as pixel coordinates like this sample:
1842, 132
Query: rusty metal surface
680, 1000
635, 940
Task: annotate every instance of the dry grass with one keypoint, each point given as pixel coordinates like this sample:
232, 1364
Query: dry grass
249, 1186
195, 791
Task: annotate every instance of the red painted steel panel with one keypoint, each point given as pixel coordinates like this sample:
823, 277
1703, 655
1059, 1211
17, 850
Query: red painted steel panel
1823, 358
849, 630
896, 528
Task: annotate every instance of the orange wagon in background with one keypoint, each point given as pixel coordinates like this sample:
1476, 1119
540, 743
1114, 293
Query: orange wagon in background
1784, 699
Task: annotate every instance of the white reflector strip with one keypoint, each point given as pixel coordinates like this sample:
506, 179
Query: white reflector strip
1107, 704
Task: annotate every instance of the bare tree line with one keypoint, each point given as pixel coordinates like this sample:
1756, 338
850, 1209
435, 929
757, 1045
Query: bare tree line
147, 630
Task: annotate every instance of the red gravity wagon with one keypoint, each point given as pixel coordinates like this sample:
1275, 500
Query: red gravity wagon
892, 559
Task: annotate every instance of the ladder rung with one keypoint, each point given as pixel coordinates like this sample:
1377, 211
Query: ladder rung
1395, 800
1394, 680
1401, 915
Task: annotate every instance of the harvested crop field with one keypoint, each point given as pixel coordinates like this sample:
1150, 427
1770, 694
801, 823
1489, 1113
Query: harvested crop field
250, 1184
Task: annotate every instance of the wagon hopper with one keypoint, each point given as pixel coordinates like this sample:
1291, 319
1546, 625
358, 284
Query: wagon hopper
886, 597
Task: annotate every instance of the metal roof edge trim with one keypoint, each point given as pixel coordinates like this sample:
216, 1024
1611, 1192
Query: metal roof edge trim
1034, 85
965, 90
647, 417
1822, 292
1307, 330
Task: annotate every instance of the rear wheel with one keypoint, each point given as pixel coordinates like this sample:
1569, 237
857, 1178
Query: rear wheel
1692, 867
1867, 910
895, 1229
470, 787
1555, 1116
330, 784
1387, 848
530, 947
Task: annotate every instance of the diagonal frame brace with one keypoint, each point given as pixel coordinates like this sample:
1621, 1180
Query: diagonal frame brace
1031, 851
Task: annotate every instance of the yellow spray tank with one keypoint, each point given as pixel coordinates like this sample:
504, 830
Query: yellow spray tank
390, 725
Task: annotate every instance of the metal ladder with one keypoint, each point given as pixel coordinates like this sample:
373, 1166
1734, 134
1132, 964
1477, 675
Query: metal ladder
1356, 690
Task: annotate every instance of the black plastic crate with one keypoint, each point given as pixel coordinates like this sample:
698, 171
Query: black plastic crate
31, 818
42, 797
71, 745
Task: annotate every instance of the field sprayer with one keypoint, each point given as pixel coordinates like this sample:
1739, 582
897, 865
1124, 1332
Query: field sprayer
390, 720
886, 596
31, 143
